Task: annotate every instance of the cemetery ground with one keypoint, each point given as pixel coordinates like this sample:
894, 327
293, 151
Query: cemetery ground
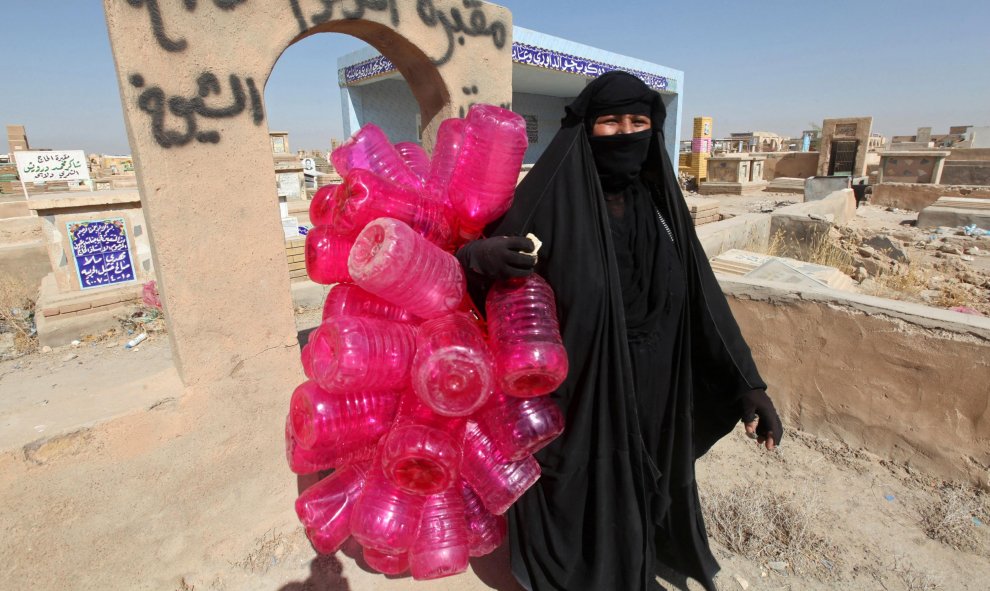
149, 494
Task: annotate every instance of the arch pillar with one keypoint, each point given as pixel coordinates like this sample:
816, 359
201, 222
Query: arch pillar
192, 77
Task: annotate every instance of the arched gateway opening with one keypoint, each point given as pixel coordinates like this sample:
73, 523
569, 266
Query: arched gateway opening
191, 77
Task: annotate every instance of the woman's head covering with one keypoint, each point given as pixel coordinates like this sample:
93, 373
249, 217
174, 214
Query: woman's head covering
618, 158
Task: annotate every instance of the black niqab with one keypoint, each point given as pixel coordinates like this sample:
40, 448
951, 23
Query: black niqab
618, 490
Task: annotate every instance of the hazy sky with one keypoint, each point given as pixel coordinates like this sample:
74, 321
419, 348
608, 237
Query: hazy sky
772, 65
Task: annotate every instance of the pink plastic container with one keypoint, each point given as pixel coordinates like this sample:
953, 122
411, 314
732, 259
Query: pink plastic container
309, 461
369, 149
484, 179
421, 459
497, 481
325, 508
326, 256
450, 136
453, 371
415, 158
387, 564
524, 336
321, 208
350, 300
366, 196
486, 532
362, 354
322, 420
386, 518
520, 427
441, 548
398, 265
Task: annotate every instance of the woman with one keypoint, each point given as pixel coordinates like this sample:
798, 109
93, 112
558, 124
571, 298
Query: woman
659, 370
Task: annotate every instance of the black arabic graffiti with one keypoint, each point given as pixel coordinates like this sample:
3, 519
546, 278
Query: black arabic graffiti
158, 24
355, 12
477, 25
454, 25
155, 103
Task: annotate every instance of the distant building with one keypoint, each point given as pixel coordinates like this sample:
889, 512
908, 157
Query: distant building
547, 73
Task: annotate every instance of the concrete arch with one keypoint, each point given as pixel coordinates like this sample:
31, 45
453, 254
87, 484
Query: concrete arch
191, 78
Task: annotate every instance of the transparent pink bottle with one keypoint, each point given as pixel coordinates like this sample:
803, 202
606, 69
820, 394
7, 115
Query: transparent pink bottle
398, 265
370, 149
366, 196
309, 461
325, 508
322, 420
450, 136
486, 531
415, 158
453, 371
321, 208
387, 564
362, 354
484, 180
441, 548
520, 427
422, 453
386, 518
497, 481
326, 256
524, 336
350, 300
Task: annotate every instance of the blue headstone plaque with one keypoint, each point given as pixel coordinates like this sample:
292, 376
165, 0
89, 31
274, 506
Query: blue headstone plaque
101, 251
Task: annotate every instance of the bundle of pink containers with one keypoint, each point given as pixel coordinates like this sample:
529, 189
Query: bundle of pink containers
428, 417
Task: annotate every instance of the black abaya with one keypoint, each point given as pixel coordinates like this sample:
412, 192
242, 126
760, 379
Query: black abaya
642, 401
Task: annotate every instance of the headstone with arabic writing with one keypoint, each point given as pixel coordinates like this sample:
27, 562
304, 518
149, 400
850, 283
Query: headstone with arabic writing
101, 252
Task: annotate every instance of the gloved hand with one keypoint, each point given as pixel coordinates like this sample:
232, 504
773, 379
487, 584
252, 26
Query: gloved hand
500, 257
762, 422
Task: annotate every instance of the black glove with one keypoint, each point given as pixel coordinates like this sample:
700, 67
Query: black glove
756, 404
500, 257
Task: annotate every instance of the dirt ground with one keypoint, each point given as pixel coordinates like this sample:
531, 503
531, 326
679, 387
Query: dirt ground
888, 256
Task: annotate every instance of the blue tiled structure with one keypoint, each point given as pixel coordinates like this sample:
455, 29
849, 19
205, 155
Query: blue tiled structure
547, 72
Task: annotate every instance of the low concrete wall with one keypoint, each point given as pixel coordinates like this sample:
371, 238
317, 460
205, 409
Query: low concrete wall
819, 187
904, 381
966, 172
917, 197
968, 154
799, 165
747, 232
21, 230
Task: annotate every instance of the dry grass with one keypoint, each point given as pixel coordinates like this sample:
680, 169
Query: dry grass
821, 251
912, 578
951, 519
767, 526
17, 313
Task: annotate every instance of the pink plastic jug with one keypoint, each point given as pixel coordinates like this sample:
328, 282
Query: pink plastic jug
369, 149
441, 547
486, 531
387, 564
325, 508
520, 427
322, 206
497, 481
350, 300
415, 158
524, 336
386, 518
366, 196
484, 180
362, 354
422, 452
326, 256
303, 460
398, 265
450, 136
322, 419
453, 371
